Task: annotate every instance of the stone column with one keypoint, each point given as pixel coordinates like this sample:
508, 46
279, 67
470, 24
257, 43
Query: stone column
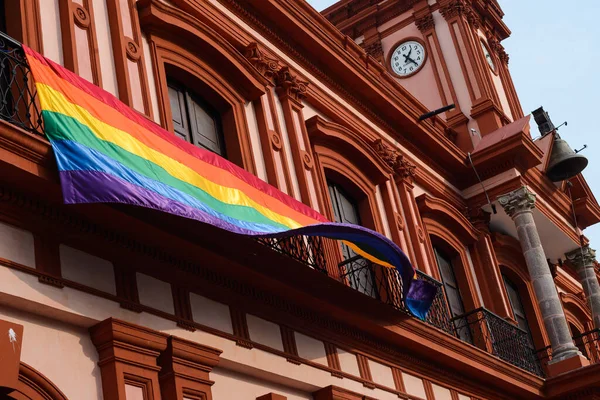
583, 260
519, 206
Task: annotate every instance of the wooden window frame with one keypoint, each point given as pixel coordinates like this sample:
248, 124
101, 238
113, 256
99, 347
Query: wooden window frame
170, 61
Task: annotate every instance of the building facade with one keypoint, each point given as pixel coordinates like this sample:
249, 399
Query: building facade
116, 302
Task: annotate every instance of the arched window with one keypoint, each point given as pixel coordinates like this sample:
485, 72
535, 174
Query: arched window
517, 306
453, 295
356, 270
194, 120
579, 340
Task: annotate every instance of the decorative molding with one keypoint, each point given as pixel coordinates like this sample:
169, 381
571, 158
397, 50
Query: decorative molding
374, 49
582, 257
127, 51
271, 396
518, 201
128, 353
289, 344
290, 85
365, 371
32, 381
453, 8
47, 260
337, 393
333, 360
404, 168
183, 308
479, 218
185, 368
425, 23
396, 161
240, 328
126, 285
398, 381
75, 17
386, 152
267, 66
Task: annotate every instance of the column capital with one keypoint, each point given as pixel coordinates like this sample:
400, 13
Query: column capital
582, 257
517, 201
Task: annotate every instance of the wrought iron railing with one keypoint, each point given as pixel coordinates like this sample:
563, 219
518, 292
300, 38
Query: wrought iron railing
588, 344
17, 90
384, 284
306, 249
499, 337
438, 315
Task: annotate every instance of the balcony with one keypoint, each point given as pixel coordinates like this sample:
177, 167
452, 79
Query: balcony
495, 335
17, 90
480, 328
588, 344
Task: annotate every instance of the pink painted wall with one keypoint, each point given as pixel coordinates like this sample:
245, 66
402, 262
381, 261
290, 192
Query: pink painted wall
422, 85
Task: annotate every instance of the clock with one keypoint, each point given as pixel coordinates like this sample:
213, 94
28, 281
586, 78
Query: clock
488, 57
407, 58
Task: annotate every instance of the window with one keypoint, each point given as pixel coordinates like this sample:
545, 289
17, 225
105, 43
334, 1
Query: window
579, 340
453, 296
356, 270
194, 120
517, 305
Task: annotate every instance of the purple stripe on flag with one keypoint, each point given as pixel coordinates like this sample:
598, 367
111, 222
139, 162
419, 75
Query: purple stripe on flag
99, 187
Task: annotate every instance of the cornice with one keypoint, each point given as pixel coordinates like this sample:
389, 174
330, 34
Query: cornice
517, 151
355, 17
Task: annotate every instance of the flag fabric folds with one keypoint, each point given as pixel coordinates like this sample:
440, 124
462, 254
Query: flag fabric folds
108, 153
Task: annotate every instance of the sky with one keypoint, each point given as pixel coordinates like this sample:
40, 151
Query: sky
554, 54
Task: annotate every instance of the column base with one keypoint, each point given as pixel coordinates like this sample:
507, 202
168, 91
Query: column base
566, 365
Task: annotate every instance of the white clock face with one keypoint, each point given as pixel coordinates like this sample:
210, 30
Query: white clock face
488, 56
408, 58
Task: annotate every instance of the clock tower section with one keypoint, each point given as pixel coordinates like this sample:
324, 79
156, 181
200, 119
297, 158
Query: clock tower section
442, 52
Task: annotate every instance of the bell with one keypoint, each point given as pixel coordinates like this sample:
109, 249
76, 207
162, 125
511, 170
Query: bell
564, 162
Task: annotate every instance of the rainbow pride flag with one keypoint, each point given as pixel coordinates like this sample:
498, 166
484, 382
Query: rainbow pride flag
108, 153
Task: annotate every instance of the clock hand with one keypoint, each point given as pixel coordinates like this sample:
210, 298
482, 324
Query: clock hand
407, 58
409, 51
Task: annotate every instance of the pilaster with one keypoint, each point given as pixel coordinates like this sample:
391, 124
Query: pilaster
487, 268
185, 368
127, 357
291, 90
274, 154
404, 179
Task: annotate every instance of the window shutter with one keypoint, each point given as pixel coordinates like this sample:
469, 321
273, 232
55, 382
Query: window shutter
345, 210
204, 127
516, 303
179, 113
